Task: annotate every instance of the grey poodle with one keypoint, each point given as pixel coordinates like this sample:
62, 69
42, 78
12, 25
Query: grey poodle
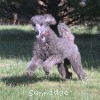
50, 50
60, 49
40, 50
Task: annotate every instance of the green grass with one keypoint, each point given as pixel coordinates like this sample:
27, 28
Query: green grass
16, 44
85, 30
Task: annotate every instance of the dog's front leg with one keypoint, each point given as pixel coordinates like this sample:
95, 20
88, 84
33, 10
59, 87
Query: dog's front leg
52, 60
33, 64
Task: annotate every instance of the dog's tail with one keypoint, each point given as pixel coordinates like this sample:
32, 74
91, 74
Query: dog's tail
65, 32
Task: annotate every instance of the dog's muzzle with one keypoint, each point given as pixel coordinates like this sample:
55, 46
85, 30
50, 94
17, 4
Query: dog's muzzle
38, 36
41, 37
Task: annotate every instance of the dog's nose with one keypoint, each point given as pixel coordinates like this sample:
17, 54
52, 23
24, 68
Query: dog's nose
37, 33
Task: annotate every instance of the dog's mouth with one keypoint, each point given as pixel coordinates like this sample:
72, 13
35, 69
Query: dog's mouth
38, 36
41, 37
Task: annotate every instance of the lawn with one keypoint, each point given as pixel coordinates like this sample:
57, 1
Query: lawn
16, 43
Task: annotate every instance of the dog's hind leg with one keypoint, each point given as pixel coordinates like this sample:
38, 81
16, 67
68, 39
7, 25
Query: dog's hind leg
75, 61
63, 70
52, 60
33, 64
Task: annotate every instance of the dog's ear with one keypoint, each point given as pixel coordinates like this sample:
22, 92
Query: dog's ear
50, 20
46, 34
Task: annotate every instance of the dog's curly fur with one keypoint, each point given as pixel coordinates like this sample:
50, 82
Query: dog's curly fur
65, 32
52, 51
43, 19
59, 50
40, 48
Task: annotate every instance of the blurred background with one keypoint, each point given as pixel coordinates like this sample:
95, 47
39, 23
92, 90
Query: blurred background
70, 11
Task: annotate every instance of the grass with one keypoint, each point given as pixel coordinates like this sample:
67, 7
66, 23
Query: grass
16, 44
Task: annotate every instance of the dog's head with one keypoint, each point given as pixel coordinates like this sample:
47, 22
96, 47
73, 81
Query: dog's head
41, 25
42, 31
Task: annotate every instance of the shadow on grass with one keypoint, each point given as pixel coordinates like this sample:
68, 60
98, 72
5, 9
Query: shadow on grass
89, 47
16, 43
19, 43
24, 79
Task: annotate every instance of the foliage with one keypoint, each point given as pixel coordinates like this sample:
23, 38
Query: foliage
23, 9
68, 11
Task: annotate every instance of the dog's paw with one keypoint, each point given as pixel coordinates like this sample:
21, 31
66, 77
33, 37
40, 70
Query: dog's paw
82, 77
29, 73
69, 75
47, 73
